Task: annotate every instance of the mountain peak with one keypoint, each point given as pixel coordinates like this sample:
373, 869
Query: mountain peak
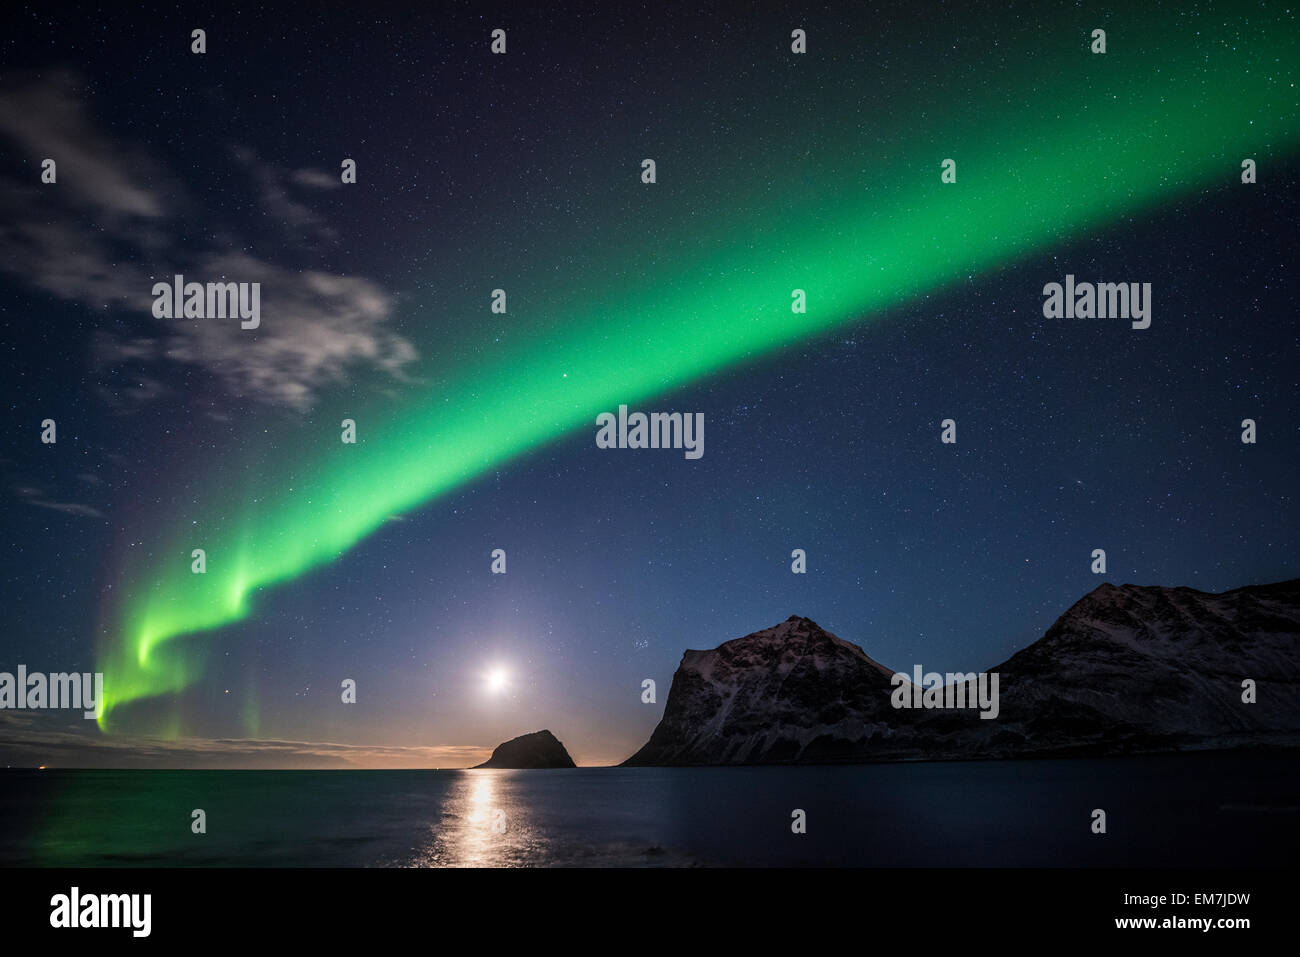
1127, 668
734, 703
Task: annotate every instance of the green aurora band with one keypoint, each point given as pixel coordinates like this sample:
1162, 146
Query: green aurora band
1042, 159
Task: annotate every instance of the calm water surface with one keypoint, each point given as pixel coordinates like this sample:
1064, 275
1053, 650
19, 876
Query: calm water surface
1215, 809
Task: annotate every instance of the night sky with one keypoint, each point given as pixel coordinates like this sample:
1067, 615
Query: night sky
775, 171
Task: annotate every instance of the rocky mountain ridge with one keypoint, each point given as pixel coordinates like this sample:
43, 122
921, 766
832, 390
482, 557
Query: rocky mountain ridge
1126, 669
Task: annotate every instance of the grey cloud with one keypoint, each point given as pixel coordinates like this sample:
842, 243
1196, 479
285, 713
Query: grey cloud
316, 179
298, 219
70, 745
34, 496
47, 120
318, 325
99, 239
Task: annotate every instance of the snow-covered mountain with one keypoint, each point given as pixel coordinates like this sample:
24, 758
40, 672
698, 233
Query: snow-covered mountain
1125, 669
770, 697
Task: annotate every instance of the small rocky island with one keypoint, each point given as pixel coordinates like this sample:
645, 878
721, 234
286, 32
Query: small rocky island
540, 749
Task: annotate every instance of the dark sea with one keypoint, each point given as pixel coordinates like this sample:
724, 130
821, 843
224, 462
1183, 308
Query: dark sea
1179, 810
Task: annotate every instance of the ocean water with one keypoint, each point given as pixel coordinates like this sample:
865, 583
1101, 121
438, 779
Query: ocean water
1207, 809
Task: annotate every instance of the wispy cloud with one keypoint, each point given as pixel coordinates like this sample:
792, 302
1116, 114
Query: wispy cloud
316, 179
48, 120
23, 745
34, 496
300, 221
318, 326
114, 223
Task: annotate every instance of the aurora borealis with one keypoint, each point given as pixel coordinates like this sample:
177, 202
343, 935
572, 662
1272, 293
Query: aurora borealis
776, 172
1122, 145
